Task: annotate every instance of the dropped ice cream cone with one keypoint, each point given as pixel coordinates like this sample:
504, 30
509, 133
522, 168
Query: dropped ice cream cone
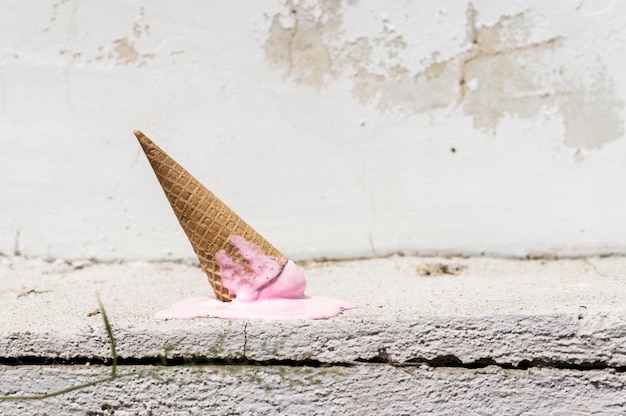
207, 221
237, 260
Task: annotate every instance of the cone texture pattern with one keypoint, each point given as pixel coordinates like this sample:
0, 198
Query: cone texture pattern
206, 220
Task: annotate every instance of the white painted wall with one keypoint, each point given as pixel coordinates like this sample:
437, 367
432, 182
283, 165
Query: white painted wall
365, 128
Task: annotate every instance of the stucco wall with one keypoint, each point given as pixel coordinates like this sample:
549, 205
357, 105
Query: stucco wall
335, 128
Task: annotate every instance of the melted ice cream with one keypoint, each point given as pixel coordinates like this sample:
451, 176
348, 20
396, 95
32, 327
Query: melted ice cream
264, 289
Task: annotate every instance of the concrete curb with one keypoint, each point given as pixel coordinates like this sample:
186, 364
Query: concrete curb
570, 311
488, 328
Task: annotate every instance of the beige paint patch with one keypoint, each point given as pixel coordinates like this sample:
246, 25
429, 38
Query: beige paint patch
298, 41
500, 74
503, 75
126, 53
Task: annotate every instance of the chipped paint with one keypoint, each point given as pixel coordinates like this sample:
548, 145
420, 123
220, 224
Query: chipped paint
503, 75
139, 26
299, 38
126, 53
128, 49
500, 73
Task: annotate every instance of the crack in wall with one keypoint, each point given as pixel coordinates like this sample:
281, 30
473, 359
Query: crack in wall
500, 72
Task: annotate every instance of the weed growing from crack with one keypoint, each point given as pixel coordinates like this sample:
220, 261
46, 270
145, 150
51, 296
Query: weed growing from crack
193, 362
114, 375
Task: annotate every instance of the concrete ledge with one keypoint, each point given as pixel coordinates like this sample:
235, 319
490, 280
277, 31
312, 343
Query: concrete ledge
505, 334
569, 311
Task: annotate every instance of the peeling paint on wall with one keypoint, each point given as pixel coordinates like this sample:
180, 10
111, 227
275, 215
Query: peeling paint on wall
124, 50
299, 41
504, 75
498, 73
126, 54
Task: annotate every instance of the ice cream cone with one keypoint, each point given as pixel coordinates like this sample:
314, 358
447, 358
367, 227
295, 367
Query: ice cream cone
206, 220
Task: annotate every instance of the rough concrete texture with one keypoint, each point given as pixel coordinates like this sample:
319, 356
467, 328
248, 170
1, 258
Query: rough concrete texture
544, 334
361, 389
415, 308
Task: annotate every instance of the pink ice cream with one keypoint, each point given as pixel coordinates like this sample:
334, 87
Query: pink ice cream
262, 277
264, 290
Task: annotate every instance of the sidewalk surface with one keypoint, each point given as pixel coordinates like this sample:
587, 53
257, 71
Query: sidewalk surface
484, 318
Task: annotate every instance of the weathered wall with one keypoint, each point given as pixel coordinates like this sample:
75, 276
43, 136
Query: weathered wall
336, 128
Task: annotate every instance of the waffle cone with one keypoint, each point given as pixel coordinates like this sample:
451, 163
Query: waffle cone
206, 220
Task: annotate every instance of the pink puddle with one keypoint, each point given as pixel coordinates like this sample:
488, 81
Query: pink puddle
268, 309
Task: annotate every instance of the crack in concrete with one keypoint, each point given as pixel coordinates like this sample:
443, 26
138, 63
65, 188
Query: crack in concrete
176, 361
245, 340
451, 361
443, 361
594, 267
